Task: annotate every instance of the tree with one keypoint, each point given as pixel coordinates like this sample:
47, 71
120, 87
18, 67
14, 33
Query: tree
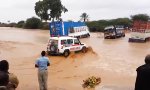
49, 9
142, 17
41, 10
33, 23
20, 24
84, 17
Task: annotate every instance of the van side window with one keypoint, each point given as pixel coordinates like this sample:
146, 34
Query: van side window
63, 42
69, 41
76, 41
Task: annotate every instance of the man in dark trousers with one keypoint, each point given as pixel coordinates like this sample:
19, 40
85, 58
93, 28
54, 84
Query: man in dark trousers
143, 75
42, 63
13, 80
4, 79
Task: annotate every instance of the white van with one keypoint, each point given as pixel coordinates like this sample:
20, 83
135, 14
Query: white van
64, 45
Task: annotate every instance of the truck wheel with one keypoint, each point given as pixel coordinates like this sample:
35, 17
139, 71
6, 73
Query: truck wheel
84, 50
124, 35
88, 35
146, 39
114, 37
66, 53
105, 38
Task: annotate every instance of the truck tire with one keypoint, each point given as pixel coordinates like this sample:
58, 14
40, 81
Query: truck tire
124, 35
88, 35
84, 49
146, 39
105, 38
66, 53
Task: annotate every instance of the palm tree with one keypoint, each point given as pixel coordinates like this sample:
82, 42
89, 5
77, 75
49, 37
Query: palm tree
84, 17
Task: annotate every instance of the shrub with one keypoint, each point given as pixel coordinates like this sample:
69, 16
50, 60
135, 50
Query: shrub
45, 26
20, 24
91, 82
33, 23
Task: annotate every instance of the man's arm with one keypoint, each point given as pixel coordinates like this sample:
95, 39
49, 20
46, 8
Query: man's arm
48, 62
36, 66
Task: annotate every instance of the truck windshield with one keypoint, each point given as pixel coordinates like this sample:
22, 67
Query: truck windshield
108, 31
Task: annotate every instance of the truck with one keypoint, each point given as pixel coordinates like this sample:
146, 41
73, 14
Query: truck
114, 31
70, 28
140, 31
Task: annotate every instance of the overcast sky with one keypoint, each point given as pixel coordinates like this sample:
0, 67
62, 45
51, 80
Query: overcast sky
16, 10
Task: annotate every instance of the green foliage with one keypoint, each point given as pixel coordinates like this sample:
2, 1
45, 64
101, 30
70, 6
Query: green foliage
20, 24
33, 23
142, 17
49, 9
11, 24
98, 26
91, 82
41, 10
45, 26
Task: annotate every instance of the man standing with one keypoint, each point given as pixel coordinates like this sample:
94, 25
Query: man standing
4, 80
13, 80
42, 63
143, 75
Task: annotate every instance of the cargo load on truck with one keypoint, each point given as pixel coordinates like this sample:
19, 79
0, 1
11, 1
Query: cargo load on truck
74, 29
140, 31
114, 31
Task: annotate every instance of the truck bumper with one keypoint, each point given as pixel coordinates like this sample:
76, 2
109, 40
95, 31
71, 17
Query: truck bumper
53, 53
136, 40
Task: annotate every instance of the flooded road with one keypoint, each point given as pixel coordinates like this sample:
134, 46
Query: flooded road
115, 61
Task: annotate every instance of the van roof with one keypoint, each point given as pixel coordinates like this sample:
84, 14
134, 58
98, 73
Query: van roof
62, 37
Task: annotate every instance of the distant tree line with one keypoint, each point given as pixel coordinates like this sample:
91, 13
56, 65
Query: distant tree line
98, 26
94, 26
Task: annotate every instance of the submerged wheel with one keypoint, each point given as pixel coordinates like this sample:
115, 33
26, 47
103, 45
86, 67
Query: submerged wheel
84, 50
124, 35
66, 53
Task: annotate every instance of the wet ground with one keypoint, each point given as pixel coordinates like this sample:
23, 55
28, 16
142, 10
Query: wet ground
115, 60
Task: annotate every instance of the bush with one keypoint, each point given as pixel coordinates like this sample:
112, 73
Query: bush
33, 23
20, 24
142, 17
45, 26
91, 82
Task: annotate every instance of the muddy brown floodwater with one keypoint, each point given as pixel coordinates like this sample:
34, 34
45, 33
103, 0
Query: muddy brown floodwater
115, 61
